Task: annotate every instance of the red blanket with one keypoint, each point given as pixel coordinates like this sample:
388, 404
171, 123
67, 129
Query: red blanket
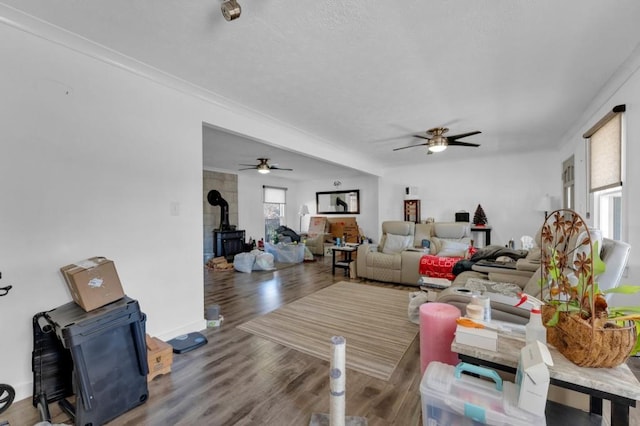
438, 267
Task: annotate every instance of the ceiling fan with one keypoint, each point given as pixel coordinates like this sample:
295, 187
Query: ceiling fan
263, 166
437, 142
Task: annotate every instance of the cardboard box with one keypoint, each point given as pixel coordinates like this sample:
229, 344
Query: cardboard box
346, 226
532, 377
159, 357
93, 282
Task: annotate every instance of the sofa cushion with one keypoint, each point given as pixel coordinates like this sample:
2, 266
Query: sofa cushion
451, 248
451, 230
396, 243
449, 245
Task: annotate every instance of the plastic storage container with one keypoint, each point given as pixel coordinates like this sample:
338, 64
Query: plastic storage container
109, 355
451, 398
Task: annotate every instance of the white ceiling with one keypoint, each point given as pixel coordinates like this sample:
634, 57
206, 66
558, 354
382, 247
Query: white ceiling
368, 74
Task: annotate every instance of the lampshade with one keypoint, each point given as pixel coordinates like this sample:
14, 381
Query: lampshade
303, 210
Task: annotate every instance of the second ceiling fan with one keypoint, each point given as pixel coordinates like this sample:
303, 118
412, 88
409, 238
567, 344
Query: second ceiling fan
263, 166
437, 142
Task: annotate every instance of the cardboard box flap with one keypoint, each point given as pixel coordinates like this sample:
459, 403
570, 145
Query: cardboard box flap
532, 377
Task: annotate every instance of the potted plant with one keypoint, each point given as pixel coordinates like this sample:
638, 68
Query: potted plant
579, 322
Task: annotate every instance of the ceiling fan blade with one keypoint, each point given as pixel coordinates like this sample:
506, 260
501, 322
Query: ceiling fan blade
279, 168
248, 165
410, 146
456, 143
422, 137
249, 168
462, 135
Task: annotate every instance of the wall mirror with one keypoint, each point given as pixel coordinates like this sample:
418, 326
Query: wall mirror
338, 202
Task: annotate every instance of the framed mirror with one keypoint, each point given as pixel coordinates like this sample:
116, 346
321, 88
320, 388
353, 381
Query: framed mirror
338, 202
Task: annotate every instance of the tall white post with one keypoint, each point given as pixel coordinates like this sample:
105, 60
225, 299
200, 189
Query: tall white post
337, 376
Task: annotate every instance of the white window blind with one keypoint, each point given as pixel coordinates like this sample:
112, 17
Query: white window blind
275, 195
605, 151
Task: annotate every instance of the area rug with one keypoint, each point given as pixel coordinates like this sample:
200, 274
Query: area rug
372, 319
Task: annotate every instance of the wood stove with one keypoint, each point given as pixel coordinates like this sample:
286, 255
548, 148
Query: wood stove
228, 243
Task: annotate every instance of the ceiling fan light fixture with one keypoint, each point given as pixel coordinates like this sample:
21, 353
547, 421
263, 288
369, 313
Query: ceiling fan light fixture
437, 148
437, 143
230, 10
263, 168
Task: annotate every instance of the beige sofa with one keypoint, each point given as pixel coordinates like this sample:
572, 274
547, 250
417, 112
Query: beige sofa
397, 258
317, 235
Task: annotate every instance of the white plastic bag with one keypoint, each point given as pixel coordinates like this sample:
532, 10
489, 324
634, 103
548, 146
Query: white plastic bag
264, 262
416, 298
243, 262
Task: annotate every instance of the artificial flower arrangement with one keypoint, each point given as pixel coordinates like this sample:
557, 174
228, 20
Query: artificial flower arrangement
580, 324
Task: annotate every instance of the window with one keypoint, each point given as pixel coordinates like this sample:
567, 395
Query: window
605, 172
274, 204
609, 217
568, 201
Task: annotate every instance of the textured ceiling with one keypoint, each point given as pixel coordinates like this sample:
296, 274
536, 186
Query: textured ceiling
368, 74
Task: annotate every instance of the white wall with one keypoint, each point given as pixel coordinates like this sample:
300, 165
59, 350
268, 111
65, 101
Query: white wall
92, 158
508, 188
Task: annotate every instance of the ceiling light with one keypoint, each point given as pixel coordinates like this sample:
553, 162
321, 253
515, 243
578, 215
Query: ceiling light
437, 143
263, 168
437, 148
230, 10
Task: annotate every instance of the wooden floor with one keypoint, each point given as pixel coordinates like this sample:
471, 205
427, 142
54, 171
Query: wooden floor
241, 379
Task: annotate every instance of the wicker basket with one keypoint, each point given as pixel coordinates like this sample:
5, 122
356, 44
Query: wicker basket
604, 344
567, 252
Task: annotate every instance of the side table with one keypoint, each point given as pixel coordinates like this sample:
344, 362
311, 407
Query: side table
486, 230
345, 262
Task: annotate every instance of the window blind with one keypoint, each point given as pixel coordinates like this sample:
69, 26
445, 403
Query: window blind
605, 151
275, 195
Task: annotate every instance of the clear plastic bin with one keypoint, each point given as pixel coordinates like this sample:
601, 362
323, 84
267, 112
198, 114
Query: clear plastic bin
450, 398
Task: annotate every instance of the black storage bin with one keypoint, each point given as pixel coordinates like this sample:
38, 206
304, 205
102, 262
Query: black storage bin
109, 355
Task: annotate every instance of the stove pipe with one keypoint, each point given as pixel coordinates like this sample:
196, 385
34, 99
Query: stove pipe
215, 199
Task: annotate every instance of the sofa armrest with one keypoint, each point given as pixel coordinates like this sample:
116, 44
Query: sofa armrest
361, 259
411, 266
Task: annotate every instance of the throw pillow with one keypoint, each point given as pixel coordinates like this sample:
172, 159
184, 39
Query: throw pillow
397, 243
453, 249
